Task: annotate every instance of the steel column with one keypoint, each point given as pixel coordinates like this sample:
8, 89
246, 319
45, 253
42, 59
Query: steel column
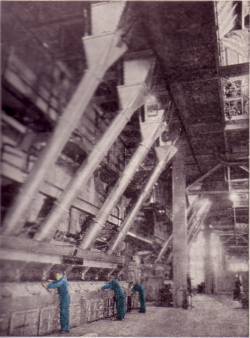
131, 97
102, 52
209, 271
180, 249
164, 154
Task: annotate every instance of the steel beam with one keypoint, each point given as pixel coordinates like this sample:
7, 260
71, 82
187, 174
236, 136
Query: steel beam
234, 70
214, 192
237, 247
101, 51
132, 97
164, 154
243, 167
164, 248
52, 190
200, 179
16, 255
13, 123
30, 247
180, 245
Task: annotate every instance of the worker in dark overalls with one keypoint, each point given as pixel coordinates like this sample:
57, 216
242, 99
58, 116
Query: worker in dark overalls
62, 286
142, 297
237, 288
119, 297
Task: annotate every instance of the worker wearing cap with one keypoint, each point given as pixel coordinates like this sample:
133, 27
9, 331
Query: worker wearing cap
62, 286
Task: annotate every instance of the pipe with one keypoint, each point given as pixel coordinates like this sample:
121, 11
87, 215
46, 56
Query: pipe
165, 154
164, 248
135, 95
109, 50
123, 182
140, 238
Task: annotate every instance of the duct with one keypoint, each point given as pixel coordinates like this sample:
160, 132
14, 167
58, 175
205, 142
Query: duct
150, 130
226, 12
198, 219
131, 98
101, 52
237, 41
226, 19
228, 25
204, 210
164, 154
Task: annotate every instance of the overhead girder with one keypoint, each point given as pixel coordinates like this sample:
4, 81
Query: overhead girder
150, 129
131, 98
193, 226
164, 154
101, 51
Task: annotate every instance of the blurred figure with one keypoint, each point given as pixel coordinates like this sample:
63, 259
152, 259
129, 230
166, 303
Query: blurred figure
166, 295
140, 289
119, 297
237, 288
201, 287
189, 291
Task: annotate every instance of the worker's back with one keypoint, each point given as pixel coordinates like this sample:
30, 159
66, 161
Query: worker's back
63, 289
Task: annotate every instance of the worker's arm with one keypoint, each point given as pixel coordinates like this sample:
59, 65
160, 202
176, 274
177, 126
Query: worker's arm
55, 285
107, 286
45, 285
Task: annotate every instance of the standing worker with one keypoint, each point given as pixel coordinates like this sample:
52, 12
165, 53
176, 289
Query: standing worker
140, 289
62, 285
189, 291
119, 297
237, 288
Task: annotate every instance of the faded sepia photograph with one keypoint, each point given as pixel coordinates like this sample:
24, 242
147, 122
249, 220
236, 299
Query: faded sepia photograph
124, 168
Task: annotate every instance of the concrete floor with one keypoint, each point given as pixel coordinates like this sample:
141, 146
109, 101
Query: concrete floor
211, 316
